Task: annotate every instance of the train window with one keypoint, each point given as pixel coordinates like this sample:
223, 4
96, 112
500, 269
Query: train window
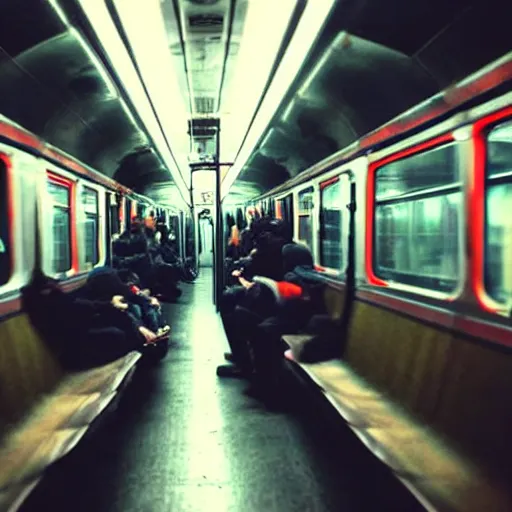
90, 206
498, 248
417, 218
114, 215
5, 257
331, 250
61, 225
306, 216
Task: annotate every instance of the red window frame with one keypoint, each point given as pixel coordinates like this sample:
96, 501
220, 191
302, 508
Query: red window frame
476, 206
71, 185
370, 197
10, 212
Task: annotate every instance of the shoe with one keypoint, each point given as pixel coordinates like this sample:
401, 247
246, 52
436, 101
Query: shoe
230, 370
164, 330
228, 356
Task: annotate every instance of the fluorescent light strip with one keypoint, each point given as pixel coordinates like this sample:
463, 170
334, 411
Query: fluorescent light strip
105, 30
148, 40
252, 68
308, 29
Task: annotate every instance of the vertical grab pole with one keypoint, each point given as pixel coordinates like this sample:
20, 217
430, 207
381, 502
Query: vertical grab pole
219, 230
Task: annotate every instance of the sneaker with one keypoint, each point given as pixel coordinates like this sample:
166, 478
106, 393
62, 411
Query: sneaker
165, 329
230, 370
228, 356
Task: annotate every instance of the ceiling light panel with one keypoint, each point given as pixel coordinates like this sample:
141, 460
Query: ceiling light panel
148, 39
265, 23
305, 36
205, 32
101, 22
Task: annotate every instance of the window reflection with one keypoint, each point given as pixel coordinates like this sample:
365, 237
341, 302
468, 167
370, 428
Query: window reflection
498, 257
423, 171
331, 250
60, 194
90, 206
306, 217
417, 219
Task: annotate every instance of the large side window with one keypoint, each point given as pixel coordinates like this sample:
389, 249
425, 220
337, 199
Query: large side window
60, 193
498, 245
331, 250
5, 256
306, 216
90, 207
418, 202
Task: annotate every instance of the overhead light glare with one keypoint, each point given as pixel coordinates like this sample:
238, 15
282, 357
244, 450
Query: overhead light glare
307, 32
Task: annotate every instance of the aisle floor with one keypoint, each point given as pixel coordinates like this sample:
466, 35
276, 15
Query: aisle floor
183, 440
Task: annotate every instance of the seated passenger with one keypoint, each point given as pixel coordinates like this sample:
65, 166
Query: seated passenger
81, 332
266, 260
277, 308
104, 286
165, 276
151, 311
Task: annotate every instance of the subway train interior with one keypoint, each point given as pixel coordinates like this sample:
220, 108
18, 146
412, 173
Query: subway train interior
255, 255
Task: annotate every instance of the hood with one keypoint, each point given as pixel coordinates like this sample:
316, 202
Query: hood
296, 255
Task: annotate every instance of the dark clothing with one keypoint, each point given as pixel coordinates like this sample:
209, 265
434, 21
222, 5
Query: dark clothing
296, 255
82, 333
267, 261
238, 324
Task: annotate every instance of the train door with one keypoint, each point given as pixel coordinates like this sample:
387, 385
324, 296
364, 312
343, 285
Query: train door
205, 238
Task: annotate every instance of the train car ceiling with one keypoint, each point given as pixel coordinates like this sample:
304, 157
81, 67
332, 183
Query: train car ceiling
373, 61
124, 86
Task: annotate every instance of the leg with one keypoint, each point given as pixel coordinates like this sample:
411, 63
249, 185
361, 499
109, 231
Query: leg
238, 325
231, 297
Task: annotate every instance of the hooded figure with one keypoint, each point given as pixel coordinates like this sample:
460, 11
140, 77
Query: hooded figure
103, 283
296, 255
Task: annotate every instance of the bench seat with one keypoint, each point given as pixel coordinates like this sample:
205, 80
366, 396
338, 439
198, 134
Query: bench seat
104, 379
440, 478
12, 498
54, 426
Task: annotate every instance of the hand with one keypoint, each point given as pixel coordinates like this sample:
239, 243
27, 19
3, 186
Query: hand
146, 292
119, 303
154, 302
149, 336
236, 273
246, 284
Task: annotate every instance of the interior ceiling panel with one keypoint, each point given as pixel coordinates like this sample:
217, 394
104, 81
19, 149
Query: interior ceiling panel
139, 169
24, 24
71, 105
374, 61
205, 33
51, 85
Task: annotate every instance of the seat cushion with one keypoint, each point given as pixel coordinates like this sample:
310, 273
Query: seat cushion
104, 379
23, 458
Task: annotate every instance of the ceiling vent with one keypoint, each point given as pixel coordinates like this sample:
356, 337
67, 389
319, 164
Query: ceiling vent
205, 105
205, 21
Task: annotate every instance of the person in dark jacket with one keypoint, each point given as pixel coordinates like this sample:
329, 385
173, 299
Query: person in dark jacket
265, 260
263, 298
83, 333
